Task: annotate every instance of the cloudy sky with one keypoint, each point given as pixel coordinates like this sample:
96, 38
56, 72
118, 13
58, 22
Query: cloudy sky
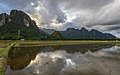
103, 15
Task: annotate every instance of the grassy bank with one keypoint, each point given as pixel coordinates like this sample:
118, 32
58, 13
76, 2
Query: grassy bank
2, 66
5, 45
4, 49
3, 57
2, 70
49, 43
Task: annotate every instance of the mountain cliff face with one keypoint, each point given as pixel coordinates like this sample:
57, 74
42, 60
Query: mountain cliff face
72, 33
18, 25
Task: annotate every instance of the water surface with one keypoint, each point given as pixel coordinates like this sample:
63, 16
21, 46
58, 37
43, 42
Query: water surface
90, 59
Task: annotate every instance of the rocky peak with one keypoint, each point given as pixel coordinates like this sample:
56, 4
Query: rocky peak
3, 18
16, 16
18, 21
94, 31
84, 30
20, 15
83, 33
56, 35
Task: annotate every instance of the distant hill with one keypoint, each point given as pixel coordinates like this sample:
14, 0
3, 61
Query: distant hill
56, 36
18, 25
72, 33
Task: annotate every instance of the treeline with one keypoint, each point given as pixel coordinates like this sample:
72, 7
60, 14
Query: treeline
85, 39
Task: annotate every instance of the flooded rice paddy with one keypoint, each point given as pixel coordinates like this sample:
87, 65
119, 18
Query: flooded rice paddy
89, 59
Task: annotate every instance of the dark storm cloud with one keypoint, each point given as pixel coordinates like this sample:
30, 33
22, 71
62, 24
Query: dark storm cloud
61, 14
51, 10
18, 3
53, 6
86, 4
117, 27
118, 32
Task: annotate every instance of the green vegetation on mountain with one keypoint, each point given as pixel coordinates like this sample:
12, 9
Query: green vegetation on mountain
18, 25
56, 36
84, 34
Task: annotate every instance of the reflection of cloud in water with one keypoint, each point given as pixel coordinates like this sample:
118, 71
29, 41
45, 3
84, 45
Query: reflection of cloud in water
20, 57
63, 63
114, 48
106, 52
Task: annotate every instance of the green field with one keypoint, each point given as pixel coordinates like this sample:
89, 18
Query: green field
5, 45
49, 43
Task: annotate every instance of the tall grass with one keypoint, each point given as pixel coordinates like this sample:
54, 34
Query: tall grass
3, 57
2, 70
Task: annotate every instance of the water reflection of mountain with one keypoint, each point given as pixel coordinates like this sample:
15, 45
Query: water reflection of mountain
20, 57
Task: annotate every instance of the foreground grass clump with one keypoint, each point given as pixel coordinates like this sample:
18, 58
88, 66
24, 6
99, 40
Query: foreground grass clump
2, 70
2, 66
4, 49
3, 57
4, 52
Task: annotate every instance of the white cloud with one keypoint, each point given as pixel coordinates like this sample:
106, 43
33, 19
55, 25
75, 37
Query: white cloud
98, 14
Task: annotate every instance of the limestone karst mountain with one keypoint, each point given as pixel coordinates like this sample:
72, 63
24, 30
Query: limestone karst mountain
18, 25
